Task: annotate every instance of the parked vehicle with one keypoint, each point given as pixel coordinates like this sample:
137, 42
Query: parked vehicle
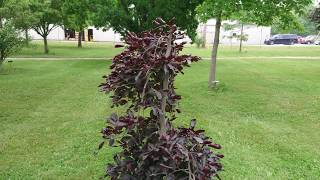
301, 40
288, 39
311, 39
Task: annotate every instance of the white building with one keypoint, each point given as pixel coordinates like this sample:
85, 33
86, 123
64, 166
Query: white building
91, 34
256, 35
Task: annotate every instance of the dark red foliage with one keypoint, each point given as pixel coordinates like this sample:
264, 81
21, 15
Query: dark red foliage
138, 83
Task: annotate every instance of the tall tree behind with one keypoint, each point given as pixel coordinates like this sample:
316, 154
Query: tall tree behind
2, 12
301, 25
261, 12
315, 17
138, 15
20, 15
48, 16
243, 18
76, 15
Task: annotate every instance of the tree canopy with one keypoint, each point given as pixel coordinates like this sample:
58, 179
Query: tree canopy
2, 11
20, 14
303, 26
10, 41
137, 15
315, 16
48, 16
76, 14
260, 12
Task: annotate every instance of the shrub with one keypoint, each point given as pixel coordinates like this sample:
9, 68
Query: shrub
142, 80
198, 41
10, 41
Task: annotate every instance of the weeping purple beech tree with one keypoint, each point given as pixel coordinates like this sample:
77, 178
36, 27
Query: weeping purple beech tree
142, 82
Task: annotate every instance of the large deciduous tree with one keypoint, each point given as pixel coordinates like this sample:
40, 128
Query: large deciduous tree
2, 12
261, 12
48, 16
301, 25
137, 15
20, 14
315, 16
76, 15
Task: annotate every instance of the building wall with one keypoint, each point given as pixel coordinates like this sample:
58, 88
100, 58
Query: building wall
56, 34
256, 34
109, 35
98, 35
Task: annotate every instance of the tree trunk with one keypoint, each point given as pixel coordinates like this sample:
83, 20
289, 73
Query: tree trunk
45, 42
165, 86
1, 62
212, 77
1, 58
80, 39
204, 35
27, 37
241, 38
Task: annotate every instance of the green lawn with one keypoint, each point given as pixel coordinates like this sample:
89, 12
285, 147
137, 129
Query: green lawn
265, 114
107, 50
69, 49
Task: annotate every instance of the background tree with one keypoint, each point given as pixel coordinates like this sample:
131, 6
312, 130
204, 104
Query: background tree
138, 15
315, 16
239, 37
243, 17
2, 12
242, 36
301, 25
20, 14
199, 41
48, 16
261, 12
76, 15
10, 40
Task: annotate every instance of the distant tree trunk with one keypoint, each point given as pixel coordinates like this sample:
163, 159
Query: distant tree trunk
204, 35
80, 39
45, 42
1, 62
2, 58
212, 77
241, 38
27, 37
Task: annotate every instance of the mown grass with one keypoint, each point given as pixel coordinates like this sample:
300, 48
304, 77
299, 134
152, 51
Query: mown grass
107, 50
63, 49
264, 113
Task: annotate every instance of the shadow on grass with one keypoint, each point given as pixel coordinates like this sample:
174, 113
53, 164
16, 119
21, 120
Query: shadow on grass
220, 88
10, 69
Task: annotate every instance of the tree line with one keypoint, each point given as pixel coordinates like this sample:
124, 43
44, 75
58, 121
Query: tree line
137, 16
